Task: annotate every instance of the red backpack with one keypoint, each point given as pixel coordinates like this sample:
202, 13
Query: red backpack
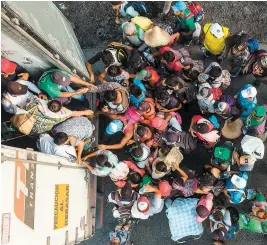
196, 9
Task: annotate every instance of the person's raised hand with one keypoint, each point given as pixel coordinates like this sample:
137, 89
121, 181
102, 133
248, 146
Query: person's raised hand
104, 109
82, 90
245, 69
89, 112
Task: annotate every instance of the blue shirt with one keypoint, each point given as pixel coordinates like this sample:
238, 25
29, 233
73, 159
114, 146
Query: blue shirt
136, 101
244, 103
236, 196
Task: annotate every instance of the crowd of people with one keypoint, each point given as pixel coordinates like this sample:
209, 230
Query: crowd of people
145, 95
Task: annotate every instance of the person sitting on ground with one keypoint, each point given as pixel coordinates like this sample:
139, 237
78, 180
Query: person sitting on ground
246, 99
137, 92
216, 77
185, 21
255, 123
11, 71
204, 130
204, 207
48, 113
128, 9
149, 75
186, 92
207, 96
18, 93
140, 154
56, 84
124, 200
213, 38
241, 48
134, 35
145, 207
49, 145
120, 235
257, 66
101, 162
235, 187
78, 131
116, 74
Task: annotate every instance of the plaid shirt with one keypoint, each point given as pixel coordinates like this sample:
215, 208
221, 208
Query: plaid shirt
182, 218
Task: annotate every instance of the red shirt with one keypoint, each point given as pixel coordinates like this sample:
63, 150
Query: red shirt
155, 76
175, 65
195, 120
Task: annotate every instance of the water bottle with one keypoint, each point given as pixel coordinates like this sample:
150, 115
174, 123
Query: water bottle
149, 57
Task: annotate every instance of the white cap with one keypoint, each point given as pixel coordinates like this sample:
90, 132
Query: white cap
249, 92
216, 30
239, 182
222, 106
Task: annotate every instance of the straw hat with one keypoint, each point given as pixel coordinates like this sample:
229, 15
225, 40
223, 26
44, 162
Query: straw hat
232, 130
156, 37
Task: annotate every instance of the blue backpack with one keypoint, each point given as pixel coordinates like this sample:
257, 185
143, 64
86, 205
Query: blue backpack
138, 7
253, 45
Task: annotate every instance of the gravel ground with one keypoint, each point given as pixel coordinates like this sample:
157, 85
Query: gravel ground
94, 32
94, 22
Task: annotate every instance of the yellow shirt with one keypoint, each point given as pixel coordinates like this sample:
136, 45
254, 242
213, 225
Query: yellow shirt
211, 43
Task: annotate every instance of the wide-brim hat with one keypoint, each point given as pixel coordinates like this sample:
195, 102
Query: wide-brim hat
232, 130
156, 37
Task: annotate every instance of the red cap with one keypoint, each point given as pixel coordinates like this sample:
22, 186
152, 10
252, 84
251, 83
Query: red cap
143, 204
7, 66
164, 188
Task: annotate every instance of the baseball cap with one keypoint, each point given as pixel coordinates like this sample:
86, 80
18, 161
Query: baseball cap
114, 127
179, 6
222, 106
249, 92
238, 181
17, 88
143, 204
143, 74
164, 188
129, 28
8, 66
216, 30
60, 78
259, 111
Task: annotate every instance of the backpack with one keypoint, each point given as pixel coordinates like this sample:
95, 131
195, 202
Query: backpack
125, 210
196, 10
189, 89
138, 6
119, 54
24, 122
223, 153
253, 45
218, 188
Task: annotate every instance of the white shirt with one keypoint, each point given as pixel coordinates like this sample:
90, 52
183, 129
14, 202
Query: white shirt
17, 101
46, 144
156, 206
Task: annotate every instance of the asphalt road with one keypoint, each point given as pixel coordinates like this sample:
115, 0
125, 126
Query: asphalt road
155, 230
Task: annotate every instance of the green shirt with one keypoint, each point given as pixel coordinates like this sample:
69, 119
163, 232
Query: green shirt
47, 85
187, 23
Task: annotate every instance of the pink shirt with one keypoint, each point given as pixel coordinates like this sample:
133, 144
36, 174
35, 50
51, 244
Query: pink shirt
206, 201
175, 65
131, 116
